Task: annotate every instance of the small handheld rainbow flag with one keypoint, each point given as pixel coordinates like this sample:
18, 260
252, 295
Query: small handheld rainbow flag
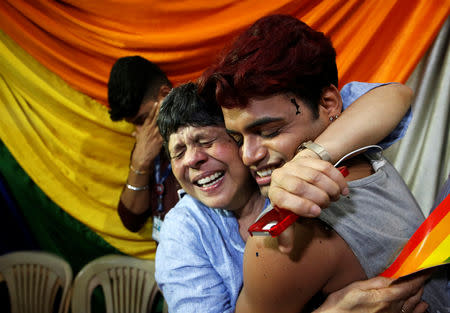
429, 246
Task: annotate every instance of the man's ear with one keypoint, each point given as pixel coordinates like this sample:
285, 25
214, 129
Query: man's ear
163, 91
331, 101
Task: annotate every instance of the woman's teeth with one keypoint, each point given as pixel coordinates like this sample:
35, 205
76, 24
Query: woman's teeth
210, 180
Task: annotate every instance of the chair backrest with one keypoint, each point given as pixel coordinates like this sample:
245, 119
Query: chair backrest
33, 279
128, 284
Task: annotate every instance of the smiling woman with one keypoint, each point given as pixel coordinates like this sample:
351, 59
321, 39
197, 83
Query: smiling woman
206, 163
205, 159
199, 258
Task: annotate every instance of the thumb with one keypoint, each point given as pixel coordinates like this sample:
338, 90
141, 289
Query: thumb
286, 239
377, 282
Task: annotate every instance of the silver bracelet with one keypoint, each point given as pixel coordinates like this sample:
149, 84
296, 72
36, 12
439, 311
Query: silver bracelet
136, 188
316, 148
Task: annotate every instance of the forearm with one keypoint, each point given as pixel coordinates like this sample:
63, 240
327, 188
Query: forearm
367, 121
134, 206
133, 222
135, 194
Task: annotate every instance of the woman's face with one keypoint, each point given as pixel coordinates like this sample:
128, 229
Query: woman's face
206, 162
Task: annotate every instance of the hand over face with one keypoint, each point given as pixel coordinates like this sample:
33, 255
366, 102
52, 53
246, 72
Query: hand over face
148, 141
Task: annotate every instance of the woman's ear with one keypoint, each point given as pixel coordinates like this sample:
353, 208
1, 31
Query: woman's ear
331, 102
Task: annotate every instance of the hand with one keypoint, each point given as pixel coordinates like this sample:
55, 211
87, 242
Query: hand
304, 185
148, 141
378, 294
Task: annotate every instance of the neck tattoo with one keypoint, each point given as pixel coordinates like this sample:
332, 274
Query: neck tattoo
297, 107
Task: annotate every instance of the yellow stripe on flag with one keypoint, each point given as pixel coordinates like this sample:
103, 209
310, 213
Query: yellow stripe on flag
439, 256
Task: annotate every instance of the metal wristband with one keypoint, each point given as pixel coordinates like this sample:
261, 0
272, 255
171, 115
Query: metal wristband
136, 188
316, 148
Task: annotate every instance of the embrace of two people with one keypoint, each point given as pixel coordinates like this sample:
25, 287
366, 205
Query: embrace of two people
237, 139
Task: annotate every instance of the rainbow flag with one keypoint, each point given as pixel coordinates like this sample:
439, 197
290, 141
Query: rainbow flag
429, 246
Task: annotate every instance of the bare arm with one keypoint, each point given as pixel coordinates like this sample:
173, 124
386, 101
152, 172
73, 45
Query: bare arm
366, 121
277, 282
137, 202
319, 263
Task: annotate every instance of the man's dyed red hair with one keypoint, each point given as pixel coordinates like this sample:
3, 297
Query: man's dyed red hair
277, 54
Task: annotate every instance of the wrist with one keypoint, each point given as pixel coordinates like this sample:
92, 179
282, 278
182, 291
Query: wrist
140, 165
306, 153
140, 170
136, 188
313, 150
140, 162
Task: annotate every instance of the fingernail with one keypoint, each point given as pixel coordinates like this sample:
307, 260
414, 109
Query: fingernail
315, 210
345, 191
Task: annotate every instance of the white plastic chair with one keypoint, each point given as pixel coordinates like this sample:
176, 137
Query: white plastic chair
33, 279
128, 284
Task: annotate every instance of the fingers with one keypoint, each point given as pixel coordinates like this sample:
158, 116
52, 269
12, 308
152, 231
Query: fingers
413, 302
148, 132
303, 186
153, 113
373, 283
409, 286
379, 294
307, 181
286, 240
385, 290
299, 205
151, 119
323, 167
421, 307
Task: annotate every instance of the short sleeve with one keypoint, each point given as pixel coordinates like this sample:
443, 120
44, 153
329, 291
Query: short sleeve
352, 91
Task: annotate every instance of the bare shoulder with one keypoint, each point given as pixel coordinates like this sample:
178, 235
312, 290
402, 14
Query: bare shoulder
279, 282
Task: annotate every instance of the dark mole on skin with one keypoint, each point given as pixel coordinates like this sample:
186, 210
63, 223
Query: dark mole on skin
257, 254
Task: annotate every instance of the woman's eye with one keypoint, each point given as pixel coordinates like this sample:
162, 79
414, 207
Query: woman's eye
206, 143
176, 155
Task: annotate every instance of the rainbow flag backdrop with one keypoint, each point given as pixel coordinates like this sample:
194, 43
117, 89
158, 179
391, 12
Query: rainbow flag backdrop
429, 246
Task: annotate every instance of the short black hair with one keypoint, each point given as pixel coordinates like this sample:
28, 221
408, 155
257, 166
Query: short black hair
183, 106
132, 80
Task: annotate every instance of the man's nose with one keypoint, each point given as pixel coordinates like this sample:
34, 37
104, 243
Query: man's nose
252, 151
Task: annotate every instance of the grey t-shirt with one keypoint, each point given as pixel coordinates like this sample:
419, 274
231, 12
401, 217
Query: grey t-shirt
377, 219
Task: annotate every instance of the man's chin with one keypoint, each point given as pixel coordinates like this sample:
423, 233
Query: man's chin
264, 190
